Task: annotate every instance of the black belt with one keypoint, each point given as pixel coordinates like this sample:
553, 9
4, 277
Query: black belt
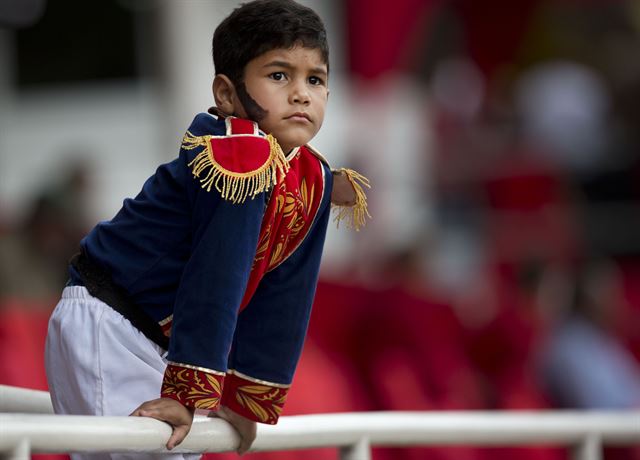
99, 284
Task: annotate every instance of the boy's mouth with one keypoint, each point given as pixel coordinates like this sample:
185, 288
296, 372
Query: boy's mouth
299, 116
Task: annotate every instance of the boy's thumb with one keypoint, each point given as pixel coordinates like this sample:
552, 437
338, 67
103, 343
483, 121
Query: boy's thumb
178, 435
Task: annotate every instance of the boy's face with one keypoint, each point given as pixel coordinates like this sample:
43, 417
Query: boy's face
290, 89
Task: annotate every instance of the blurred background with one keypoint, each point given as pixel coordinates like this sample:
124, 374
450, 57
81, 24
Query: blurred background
501, 269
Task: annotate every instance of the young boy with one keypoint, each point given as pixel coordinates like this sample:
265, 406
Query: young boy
197, 294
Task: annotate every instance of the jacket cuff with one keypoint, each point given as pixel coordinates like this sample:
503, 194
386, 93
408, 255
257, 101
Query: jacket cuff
192, 386
257, 400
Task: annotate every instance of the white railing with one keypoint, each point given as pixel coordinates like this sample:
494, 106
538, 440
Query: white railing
24, 400
354, 434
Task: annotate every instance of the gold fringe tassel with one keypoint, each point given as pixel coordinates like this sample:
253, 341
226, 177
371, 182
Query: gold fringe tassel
357, 214
233, 186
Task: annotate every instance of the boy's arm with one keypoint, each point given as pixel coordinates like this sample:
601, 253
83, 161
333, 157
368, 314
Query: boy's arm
270, 331
205, 312
227, 196
207, 302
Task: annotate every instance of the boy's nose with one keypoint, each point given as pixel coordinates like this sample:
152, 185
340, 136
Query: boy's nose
300, 94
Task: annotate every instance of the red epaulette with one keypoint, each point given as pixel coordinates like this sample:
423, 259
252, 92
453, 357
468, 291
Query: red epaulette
241, 164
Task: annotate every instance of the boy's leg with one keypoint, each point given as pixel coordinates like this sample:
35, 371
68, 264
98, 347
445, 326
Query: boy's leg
99, 364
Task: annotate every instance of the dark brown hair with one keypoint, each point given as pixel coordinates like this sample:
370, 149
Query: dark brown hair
263, 25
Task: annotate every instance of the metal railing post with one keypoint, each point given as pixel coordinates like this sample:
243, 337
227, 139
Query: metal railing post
22, 451
589, 449
359, 451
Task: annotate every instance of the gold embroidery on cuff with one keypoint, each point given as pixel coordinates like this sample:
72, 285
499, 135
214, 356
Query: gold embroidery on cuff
197, 368
254, 380
264, 402
192, 387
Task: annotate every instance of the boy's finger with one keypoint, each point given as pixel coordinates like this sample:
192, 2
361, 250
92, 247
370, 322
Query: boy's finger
220, 414
244, 446
147, 413
178, 435
140, 412
144, 408
245, 442
171, 419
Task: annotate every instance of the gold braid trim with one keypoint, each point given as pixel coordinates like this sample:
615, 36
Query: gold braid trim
356, 215
233, 186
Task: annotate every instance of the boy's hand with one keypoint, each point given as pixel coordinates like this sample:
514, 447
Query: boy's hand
342, 193
247, 429
171, 411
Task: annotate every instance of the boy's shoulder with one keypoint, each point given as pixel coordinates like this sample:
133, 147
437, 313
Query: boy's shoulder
206, 123
210, 124
238, 143
233, 156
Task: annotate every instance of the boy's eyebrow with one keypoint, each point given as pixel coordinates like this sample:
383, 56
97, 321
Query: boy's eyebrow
288, 65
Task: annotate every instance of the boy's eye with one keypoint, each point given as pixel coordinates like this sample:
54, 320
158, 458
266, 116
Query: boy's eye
316, 81
278, 76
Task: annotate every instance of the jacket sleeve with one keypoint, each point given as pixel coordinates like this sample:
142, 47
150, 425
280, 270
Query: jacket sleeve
206, 308
270, 331
224, 240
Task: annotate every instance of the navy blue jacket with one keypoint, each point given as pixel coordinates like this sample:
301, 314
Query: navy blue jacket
186, 255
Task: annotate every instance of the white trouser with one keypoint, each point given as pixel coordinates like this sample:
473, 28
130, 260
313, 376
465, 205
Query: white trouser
98, 364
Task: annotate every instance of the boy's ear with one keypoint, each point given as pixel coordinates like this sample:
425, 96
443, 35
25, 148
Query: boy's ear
224, 93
